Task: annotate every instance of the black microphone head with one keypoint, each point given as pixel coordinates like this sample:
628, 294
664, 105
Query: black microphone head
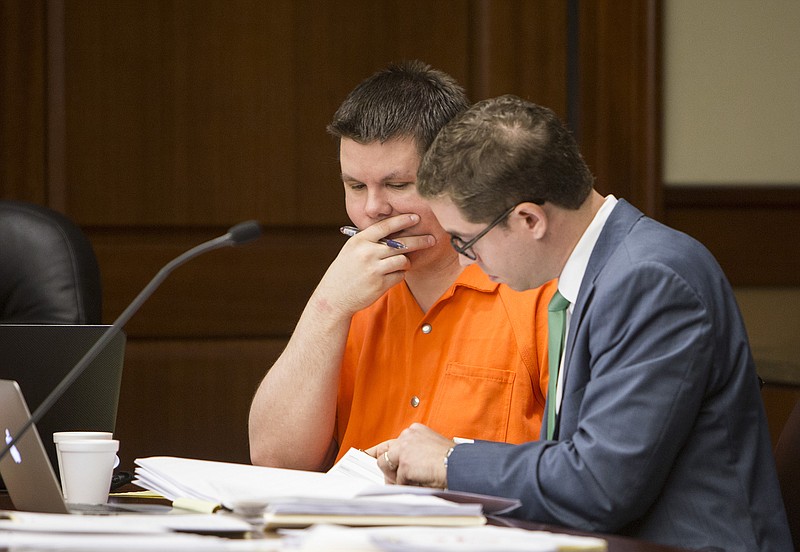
244, 232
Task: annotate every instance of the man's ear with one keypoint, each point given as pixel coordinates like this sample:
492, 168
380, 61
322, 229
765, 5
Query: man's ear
533, 217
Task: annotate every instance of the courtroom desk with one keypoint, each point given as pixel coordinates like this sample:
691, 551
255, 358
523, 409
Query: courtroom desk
615, 543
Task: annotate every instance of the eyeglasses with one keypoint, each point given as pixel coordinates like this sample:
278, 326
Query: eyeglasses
466, 248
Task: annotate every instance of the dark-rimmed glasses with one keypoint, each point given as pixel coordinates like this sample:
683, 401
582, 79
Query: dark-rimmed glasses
466, 248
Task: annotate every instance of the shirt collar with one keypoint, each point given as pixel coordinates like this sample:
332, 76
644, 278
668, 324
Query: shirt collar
473, 277
569, 282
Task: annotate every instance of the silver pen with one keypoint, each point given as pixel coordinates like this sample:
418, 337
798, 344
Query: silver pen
352, 231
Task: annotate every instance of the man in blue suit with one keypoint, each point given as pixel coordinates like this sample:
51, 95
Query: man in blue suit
658, 430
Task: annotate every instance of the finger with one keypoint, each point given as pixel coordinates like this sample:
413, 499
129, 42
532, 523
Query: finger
378, 449
385, 462
400, 479
372, 451
387, 465
389, 470
390, 225
393, 263
413, 243
384, 465
364, 249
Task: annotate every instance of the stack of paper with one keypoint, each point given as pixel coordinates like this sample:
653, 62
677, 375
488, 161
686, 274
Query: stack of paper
396, 510
348, 494
226, 483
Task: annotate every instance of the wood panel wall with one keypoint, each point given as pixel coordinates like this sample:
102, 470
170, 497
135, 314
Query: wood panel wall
22, 101
156, 124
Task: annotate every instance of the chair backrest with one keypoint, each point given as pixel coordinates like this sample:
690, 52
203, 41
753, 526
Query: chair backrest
787, 459
48, 269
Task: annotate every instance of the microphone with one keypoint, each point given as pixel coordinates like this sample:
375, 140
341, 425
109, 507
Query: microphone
239, 234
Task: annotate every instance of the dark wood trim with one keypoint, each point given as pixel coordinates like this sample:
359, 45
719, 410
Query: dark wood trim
55, 115
652, 114
518, 47
750, 230
620, 67
740, 196
573, 68
22, 80
190, 389
252, 291
480, 49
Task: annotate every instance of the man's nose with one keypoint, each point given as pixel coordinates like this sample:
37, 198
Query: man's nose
377, 205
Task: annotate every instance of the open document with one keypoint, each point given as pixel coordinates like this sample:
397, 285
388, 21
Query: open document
350, 494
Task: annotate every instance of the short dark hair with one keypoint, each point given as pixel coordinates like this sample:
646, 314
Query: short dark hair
406, 100
500, 152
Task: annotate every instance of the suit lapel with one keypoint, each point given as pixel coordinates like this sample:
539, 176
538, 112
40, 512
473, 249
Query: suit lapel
618, 225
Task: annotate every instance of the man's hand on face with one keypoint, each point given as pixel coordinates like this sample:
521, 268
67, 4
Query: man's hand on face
365, 269
416, 457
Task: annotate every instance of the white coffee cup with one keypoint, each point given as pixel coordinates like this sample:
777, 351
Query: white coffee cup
61, 436
86, 469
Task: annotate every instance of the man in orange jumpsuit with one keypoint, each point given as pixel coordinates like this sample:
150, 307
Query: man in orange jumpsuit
395, 335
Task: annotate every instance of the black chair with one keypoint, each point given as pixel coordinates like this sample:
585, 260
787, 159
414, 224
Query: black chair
48, 269
787, 460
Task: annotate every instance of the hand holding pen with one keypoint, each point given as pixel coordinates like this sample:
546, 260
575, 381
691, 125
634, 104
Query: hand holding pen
352, 231
367, 266
379, 232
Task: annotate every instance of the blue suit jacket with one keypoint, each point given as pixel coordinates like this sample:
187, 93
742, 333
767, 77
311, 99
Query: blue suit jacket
662, 433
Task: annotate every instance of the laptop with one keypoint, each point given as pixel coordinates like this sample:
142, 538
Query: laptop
26, 470
38, 357
28, 473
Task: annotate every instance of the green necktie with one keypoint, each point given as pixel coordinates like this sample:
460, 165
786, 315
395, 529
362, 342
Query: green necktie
556, 329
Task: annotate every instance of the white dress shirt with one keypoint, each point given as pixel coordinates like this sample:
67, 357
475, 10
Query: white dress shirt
569, 282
